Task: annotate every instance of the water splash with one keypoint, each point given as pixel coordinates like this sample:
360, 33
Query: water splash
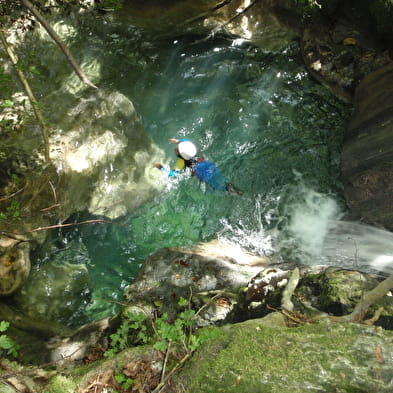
248, 233
309, 220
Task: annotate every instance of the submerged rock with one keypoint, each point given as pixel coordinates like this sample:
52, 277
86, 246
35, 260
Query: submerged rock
59, 289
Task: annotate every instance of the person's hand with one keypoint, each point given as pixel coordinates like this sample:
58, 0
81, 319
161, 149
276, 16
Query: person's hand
174, 140
157, 165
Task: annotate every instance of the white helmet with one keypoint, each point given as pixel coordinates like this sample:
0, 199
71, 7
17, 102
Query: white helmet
187, 150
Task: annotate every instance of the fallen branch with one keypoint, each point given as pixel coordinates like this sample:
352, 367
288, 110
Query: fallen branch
29, 92
11, 195
58, 41
375, 317
97, 221
160, 386
366, 301
286, 302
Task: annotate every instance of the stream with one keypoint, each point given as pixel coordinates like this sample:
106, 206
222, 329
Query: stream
273, 131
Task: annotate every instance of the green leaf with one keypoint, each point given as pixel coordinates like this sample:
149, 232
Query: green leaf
6, 342
126, 385
120, 378
4, 326
160, 346
7, 103
34, 70
194, 343
9, 345
182, 302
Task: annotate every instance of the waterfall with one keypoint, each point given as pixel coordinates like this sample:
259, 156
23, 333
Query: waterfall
358, 246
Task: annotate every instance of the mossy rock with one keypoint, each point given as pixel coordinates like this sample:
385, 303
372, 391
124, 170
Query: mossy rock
61, 384
324, 357
337, 291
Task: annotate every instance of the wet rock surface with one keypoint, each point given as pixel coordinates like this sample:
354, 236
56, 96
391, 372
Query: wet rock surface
58, 289
340, 55
367, 156
240, 287
211, 274
266, 24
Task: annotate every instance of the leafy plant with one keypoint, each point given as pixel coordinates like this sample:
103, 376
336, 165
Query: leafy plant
132, 323
6, 104
6, 343
124, 382
178, 331
11, 212
181, 331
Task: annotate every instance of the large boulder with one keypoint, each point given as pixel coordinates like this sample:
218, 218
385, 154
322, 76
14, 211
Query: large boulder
367, 156
212, 274
105, 157
256, 356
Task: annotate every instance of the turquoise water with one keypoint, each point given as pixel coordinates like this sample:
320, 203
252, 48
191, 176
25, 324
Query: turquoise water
273, 131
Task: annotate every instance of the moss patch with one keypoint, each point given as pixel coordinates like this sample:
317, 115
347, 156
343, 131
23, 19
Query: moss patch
61, 384
250, 357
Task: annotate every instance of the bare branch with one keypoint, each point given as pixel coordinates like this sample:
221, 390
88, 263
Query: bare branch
29, 92
58, 41
97, 221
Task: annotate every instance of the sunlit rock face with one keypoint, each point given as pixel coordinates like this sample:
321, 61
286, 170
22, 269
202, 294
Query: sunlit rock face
367, 153
102, 153
105, 155
14, 265
263, 23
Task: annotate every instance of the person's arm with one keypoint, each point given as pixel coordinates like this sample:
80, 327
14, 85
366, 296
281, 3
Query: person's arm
179, 166
175, 140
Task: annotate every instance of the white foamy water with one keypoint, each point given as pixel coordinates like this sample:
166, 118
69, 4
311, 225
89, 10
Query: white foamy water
359, 246
315, 234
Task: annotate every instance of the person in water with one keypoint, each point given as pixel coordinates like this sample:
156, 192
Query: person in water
204, 170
